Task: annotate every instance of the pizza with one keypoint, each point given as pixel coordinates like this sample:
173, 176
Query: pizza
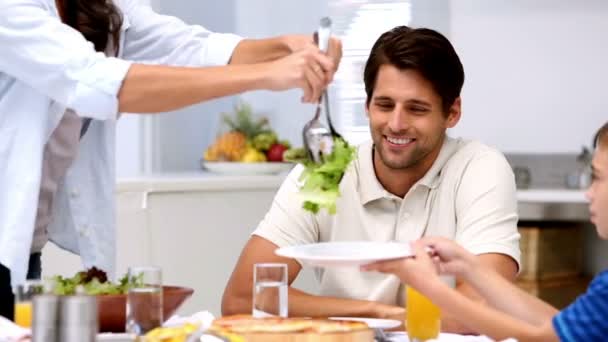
246, 324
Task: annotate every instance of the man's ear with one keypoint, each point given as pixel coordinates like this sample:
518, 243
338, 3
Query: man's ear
454, 113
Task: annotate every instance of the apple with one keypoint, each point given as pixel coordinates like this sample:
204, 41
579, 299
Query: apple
275, 152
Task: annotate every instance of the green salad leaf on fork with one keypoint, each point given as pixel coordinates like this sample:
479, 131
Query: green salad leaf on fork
321, 181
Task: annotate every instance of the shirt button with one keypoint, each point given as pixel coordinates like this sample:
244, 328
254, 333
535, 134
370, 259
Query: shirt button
74, 193
84, 230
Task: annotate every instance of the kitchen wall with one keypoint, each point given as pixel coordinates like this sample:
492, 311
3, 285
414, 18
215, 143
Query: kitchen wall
174, 141
535, 75
536, 72
132, 149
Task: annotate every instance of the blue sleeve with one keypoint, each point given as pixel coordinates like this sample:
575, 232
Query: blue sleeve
587, 318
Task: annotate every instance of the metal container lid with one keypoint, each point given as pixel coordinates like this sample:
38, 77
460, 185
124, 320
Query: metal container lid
78, 310
46, 309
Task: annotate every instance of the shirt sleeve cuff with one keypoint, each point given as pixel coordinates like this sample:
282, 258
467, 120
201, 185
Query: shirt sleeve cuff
562, 328
220, 48
280, 242
96, 94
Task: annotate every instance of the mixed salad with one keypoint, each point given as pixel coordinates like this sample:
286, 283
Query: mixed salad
94, 282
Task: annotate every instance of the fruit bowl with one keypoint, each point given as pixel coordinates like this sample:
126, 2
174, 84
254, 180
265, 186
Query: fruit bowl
112, 308
242, 169
244, 144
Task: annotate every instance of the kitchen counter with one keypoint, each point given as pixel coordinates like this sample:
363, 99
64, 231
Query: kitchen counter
551, 196
534, 204
552, 205
198, 181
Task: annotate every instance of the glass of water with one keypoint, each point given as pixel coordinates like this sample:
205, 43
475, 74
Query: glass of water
270, 290
144, 300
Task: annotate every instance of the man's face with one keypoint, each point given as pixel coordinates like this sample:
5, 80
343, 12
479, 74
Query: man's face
598, 192
407, 121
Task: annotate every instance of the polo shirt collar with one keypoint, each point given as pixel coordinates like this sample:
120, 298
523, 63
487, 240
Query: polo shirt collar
370, 188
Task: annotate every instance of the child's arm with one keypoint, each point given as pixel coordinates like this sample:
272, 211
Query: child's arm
523, 316
505, 296
486, 320
491, 286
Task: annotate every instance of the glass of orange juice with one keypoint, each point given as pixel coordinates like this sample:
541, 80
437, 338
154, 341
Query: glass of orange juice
423, 318
23, 301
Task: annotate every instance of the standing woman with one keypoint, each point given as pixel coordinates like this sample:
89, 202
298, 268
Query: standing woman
67, 69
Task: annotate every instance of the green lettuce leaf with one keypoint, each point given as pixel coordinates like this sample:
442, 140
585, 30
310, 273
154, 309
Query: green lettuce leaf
321, 181
92, 285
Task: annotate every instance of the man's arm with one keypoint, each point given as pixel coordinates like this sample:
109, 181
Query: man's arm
503, 265
237, 295
486, 209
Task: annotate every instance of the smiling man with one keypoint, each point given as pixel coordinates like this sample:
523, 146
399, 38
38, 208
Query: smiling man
411, 180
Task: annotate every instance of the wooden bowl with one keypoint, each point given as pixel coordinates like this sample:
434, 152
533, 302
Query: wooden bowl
112, 308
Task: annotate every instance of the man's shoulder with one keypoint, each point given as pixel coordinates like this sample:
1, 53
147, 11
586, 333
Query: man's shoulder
472, 158
473, 151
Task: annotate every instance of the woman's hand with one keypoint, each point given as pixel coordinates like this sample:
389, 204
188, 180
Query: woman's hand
307, 69
299, 42
316, 76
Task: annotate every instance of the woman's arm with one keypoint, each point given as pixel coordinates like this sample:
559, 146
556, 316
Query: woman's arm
149, 89
162, 39
55, 60
263, 50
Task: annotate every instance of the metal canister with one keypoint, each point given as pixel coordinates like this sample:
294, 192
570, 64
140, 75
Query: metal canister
78, 321
45, 324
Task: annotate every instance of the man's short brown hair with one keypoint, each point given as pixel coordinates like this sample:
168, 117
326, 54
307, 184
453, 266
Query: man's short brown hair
423, 50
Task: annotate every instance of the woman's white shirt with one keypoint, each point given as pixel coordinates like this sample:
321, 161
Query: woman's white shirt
47, 67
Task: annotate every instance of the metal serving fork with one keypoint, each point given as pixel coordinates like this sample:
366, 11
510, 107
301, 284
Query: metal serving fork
318, 140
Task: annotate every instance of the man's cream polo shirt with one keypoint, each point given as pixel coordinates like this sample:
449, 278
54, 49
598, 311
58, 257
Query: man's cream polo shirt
468, 195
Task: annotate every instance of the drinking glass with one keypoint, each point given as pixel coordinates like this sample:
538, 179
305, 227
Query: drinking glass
144, 300
423, 318
24, 294
269, 290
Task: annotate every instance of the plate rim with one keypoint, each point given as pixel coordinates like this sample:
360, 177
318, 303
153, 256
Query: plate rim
393, 322
282, 252
256, 168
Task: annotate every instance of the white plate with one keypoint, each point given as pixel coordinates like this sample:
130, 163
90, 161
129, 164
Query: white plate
343, 254
400, 336
374, 323
112, 337
235, 168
